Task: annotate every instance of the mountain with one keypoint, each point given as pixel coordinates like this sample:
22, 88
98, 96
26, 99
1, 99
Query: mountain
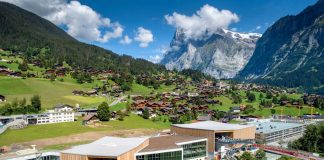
221, 54
290, 53
30, 34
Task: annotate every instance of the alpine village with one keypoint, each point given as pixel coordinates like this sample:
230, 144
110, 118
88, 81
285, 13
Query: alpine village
215, 93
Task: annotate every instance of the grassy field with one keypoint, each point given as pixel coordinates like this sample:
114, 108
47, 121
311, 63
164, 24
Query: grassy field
64, 146
64, 129
51, 93
118, 106
138, 89
265, 112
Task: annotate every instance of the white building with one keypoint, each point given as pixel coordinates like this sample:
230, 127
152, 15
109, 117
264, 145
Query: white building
61, 113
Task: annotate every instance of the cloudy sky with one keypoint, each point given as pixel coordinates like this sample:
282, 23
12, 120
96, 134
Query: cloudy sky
144, 28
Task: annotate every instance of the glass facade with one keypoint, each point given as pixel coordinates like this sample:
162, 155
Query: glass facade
194, 150
176, 155
51, 157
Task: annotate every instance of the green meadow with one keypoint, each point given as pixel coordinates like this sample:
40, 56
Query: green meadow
51, 93
34, 132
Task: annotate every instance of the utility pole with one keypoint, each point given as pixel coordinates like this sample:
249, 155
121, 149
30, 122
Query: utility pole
312, 113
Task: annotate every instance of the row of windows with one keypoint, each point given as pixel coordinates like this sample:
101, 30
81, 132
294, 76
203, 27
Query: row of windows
177, 155
194, 150
47, 158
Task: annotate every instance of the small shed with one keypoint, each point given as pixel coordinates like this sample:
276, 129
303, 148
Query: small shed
90, 119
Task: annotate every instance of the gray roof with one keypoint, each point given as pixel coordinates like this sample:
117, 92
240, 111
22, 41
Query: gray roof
269, 127
213, 126
107, 146
204, 118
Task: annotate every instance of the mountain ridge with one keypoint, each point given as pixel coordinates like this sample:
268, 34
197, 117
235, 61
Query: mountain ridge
211, 53
290, 52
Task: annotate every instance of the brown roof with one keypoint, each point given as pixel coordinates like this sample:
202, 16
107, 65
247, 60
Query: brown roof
89, 117
167, 142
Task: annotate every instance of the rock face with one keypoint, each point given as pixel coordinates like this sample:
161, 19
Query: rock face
220, 55
290, 53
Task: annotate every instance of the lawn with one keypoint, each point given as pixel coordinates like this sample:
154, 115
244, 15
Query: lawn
138, 89
286, 110
118, 106
226, 103
265, 112
51, 93
165, 88
69, 128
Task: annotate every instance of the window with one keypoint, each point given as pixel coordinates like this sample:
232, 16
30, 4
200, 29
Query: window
194, 150
176, 155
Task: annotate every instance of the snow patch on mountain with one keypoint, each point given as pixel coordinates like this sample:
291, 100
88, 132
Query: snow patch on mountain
222, 54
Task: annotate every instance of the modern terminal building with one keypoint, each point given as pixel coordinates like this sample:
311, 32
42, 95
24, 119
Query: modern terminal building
214, 131
195, 141
169, 147
269, 131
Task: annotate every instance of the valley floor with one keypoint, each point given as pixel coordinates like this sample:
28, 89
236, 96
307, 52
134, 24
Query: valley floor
39, 132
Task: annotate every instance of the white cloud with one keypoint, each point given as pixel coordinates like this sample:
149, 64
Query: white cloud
160, 53
258, 27
155, 59
207, 19
126, 40
234, 29
143, 36
80, 21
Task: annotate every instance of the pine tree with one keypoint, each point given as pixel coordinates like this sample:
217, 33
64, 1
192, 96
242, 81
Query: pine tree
146, 113
103, 112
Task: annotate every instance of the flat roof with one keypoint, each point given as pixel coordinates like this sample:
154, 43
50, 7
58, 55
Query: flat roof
269, 127
169, 142
107, 146
213, 126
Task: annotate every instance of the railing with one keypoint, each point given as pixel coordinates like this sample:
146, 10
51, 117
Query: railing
294, 153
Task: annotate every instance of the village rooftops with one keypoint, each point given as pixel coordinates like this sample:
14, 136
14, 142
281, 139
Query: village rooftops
168, 142
213, 126
107, 146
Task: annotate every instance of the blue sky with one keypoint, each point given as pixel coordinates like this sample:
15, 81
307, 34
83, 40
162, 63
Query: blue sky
124, 17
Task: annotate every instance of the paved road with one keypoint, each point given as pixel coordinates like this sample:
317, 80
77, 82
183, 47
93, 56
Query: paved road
118, 100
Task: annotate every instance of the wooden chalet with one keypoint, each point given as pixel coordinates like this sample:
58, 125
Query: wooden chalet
92, 93
4, 73
15, 74
139, 104
136, 98
76, 92
2, 67
90, 119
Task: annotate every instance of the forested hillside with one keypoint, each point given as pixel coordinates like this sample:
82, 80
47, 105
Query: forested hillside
36, 38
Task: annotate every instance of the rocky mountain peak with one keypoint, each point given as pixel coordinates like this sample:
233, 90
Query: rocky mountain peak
220, 54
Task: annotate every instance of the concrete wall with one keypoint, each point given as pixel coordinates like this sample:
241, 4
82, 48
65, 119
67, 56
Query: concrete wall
65, 156
199, 133
245, 133
130, 155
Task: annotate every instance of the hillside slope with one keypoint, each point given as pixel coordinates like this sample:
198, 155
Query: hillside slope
290, 52
26, 32
220, 55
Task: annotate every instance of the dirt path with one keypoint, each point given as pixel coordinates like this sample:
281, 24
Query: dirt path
88, 136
